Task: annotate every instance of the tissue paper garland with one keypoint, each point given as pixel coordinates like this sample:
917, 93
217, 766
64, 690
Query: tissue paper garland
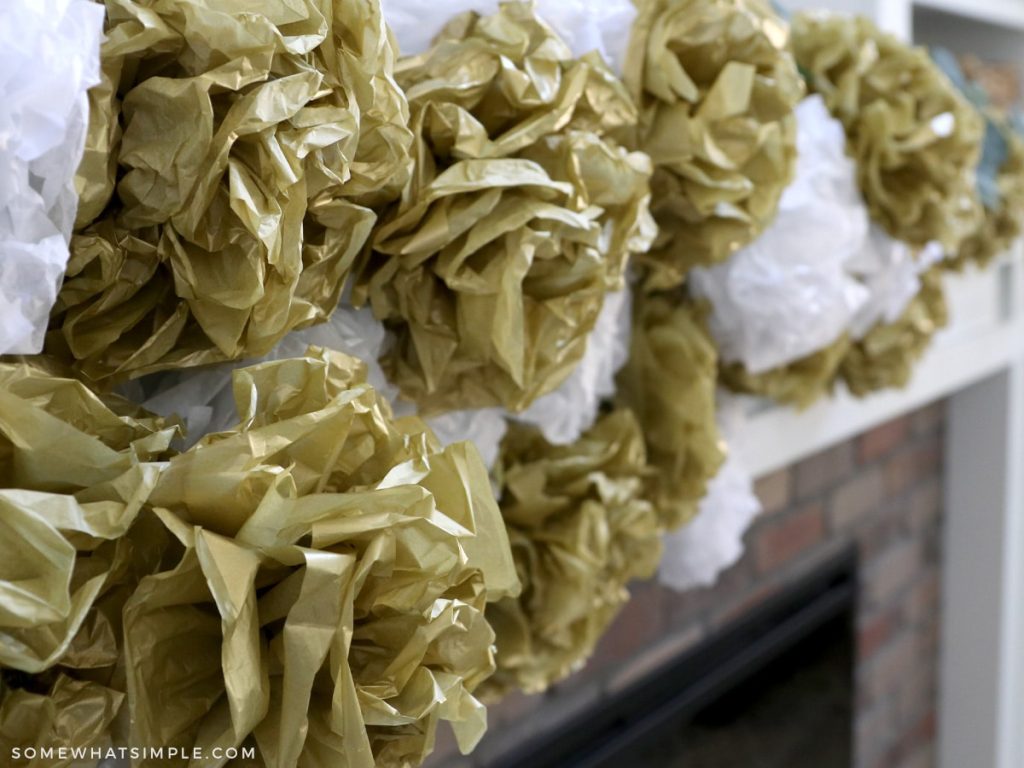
49, 57
254, 145
800, 383
669, 383
584, 26
75, 476
717, 85
203, 399
885, 357
914, 137
76, 473
332, 582
699, 552
581, 531
789, 294
1001, 223
519, 218
890, 271
565, 414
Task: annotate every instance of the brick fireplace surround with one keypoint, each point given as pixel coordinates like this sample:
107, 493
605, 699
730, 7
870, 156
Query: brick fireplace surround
881, 490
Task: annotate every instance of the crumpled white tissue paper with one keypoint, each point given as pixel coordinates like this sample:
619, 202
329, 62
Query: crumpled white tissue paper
890, 271
698, 553
789, 293
204, 400
49, 58
585, 26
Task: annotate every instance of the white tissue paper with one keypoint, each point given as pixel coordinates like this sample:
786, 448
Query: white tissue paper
49, 58
890, 271
569, 411
204, 400
789, 294
698, 553
585, 26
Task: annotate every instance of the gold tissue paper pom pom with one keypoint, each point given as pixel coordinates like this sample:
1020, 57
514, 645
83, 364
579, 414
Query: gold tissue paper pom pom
326, 602
800, 383
76, 474
885, 357
581, 530
234, 154
915, 139
669, 383
1001, 224
521, 214
717, 85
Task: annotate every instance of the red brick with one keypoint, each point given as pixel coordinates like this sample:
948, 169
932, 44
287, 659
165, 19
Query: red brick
858, 498
880, 677
883, 440
640, 623
893, 573
824, 470
930, 419
774, 490
736, 609
788, 537
905, 469
874, 734
925, 506
657, 656
874, 632
921, 606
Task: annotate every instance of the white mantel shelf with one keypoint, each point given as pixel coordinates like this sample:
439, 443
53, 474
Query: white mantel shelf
985, 336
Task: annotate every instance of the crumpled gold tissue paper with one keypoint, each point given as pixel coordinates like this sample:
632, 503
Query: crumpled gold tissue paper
669, 383
234, 154
581, 530
801, 383
885, 357
328, 602
72, 714
1000, 226
717, 86
520, 215
76, 472
915, 139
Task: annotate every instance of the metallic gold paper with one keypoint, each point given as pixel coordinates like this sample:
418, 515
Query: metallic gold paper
885, 357
520, 216
235, 151
327, 604
581, 530
801, 383
669, 383
916, 140
75, 474
71, 714
717, 86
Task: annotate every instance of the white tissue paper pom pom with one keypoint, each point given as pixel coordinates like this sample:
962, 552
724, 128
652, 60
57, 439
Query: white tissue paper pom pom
890, 271
789, 294
569, 411
204, 400
49, 58
203, 397
698, 553
585, 26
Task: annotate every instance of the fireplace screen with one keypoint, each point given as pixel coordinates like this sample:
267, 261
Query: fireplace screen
774, 690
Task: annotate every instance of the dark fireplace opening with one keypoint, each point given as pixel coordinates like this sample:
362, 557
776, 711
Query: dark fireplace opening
774, 689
